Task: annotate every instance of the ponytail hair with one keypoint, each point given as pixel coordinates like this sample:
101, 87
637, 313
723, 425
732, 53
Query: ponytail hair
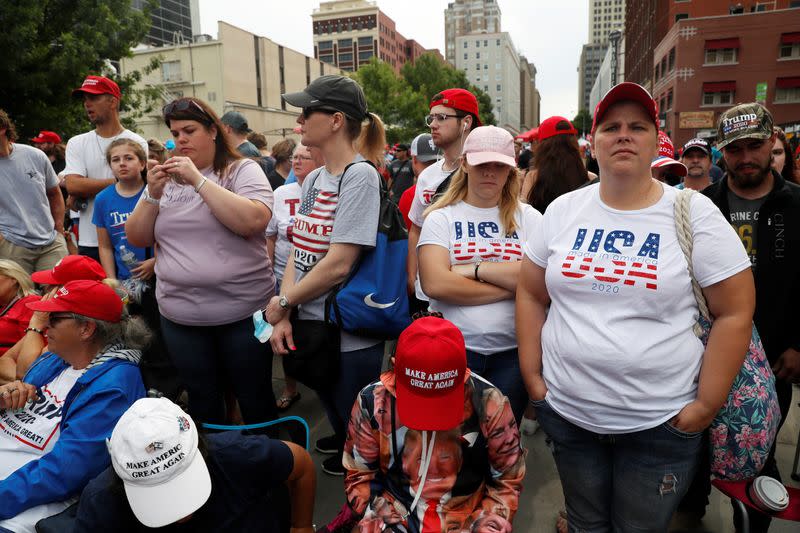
370, 137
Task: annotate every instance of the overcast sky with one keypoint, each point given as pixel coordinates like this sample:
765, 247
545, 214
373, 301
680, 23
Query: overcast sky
549, 33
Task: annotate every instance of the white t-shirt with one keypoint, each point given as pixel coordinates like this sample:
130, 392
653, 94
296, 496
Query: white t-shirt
428, 182
287, 202
86, 156
471, 233
31, 433
618, 350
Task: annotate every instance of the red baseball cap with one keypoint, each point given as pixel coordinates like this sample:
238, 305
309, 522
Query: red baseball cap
47, 137
430, 369
665, 146
70, 268
553, 126
84, 297
623, 92
98, 85
460, 99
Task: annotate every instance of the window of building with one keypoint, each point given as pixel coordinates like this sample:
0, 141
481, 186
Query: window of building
485, 66
498, 40
485, 88
736, 9
477, 44
497, 77
499, 87
171, 71
681, 16
498, 66
327, 58
790, 46
477, 55
657, 75
465, 44
663, 66
325, 45
722, 56
466, 56
718, 93
477, 66
364, 41
787, 90
345, 58
485, 43
669, 101
345, 43
364, 55
671, 60
212, 96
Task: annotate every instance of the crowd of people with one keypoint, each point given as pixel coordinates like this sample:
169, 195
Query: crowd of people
547, 285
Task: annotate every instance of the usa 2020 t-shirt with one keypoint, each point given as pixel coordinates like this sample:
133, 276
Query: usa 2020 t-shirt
618, 350
470, 234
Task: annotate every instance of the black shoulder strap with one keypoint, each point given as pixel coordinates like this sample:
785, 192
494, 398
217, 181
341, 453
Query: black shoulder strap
442, 188
380, 179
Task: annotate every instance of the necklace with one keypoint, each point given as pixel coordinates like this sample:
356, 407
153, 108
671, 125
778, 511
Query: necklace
97, 140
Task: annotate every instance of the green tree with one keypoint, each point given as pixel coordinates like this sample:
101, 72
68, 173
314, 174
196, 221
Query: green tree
583, 121
51, 45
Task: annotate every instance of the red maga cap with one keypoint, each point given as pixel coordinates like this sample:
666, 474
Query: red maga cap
70, 268
430, 369
83, 297
460, 99
549, 128
665, 146
47, 137
98, 85
626, 91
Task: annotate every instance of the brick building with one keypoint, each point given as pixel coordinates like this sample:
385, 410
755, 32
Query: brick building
648, 21
348, 33
705, 65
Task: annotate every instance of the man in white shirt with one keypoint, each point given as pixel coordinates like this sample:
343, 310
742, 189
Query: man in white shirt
87, 171
453, 114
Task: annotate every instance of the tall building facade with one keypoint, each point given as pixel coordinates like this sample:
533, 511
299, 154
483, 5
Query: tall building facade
463, 17
173, 21
705, 65
648, 21
349, 33
492, 63
605, 17
238, 71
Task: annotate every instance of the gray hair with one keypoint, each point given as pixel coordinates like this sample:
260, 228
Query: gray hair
131, 331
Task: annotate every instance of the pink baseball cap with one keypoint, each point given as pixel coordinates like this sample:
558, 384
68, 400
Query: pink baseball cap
489, 144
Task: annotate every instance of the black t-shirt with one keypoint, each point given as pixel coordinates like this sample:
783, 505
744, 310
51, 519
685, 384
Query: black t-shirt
275, 179
248, 492
402, 177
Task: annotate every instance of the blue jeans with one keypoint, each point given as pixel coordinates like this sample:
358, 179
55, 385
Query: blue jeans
502, 370
211, 358
626, 482
358, 369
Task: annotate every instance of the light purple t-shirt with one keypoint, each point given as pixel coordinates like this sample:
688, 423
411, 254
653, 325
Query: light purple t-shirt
208, 275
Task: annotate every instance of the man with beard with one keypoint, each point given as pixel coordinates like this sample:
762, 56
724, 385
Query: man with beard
765, 211
47, 142
87, 171
696, 155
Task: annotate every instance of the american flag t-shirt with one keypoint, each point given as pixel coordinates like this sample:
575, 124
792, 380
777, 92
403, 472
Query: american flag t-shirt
313, 226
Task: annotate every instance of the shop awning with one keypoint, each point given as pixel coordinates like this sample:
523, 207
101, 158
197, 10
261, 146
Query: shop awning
788, 83
719, 86
719, 44
790, 38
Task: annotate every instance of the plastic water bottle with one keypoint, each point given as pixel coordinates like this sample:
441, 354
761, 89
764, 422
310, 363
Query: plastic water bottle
128, 257
134, 286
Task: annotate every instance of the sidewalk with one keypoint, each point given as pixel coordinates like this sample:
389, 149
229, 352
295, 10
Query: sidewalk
541, 497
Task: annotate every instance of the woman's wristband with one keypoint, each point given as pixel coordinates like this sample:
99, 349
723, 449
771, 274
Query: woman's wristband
35, 330
477, 266
200, 185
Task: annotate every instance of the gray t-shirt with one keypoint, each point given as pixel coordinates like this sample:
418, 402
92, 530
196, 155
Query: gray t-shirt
744, 219
326, 217
25, 176
248, 149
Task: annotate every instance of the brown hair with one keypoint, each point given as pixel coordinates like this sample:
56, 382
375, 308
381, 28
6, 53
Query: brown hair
259, 140
789, 163
282, 151
199, 111
509, 196
156, 150
370, 137
559, 170
136, 147
6, 124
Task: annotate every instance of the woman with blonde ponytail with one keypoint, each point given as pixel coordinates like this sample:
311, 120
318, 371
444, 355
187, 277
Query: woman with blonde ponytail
470, 250
337, 219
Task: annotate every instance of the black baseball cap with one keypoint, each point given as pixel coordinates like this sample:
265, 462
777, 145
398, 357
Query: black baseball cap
332, 92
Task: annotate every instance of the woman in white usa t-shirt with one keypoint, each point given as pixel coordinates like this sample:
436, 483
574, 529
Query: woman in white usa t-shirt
621, 384
470, 249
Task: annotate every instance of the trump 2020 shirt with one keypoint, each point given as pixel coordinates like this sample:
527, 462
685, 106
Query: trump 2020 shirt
618, 350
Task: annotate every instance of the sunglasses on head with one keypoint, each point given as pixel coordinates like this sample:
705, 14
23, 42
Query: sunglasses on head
176, 106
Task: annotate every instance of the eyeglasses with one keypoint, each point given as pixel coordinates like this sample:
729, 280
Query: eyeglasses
185, 105
440, 117
308, 111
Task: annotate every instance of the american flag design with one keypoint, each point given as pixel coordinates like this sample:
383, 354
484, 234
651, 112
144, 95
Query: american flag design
486, 243
634, 267
311, 234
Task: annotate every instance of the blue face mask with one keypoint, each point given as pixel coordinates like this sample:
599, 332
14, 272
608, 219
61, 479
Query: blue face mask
263, 329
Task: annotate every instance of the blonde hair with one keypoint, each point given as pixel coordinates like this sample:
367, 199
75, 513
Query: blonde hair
370, 137
11, 269
509, 196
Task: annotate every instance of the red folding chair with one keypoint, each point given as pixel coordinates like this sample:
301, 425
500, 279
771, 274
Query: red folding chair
737, 492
